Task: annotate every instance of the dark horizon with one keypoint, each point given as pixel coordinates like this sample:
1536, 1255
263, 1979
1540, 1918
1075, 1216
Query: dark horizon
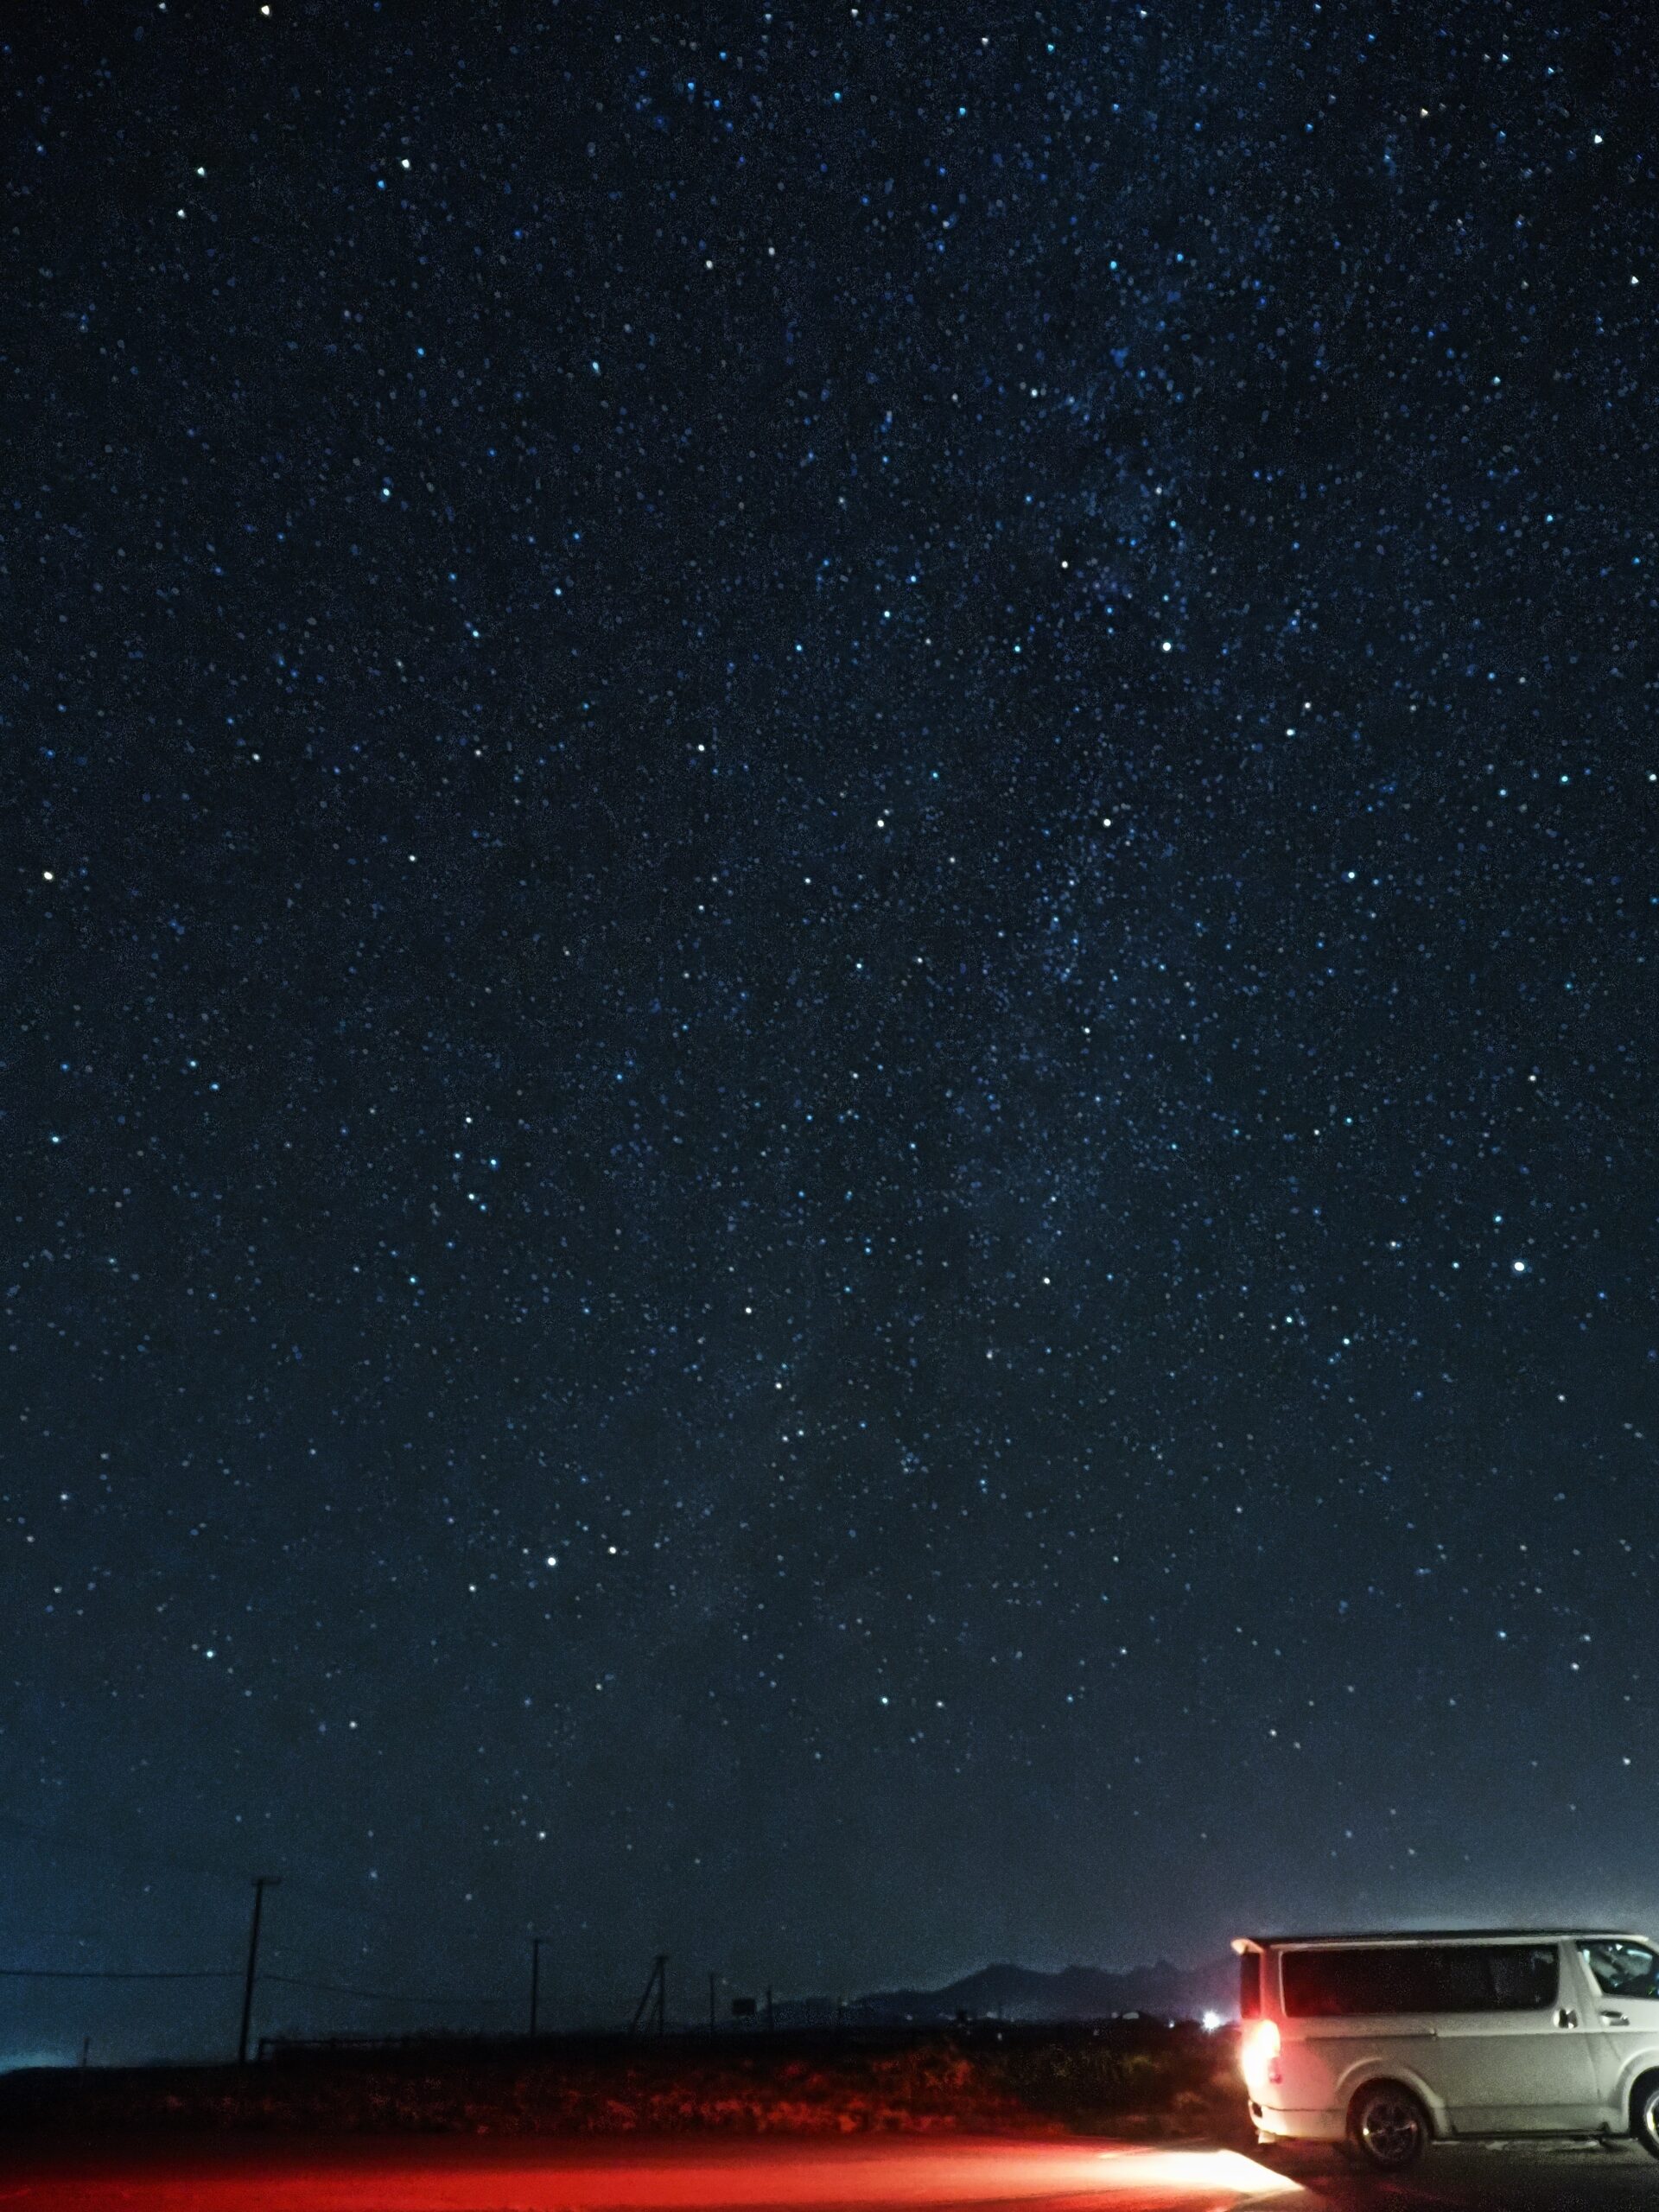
830, 1102
125, 2030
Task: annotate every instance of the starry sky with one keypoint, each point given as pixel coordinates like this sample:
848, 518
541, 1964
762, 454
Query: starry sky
828, 1096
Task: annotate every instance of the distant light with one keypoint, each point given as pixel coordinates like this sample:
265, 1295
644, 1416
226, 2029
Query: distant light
1518, 1266
1210, 2021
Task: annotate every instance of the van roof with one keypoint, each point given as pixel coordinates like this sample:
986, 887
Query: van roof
1552, 1934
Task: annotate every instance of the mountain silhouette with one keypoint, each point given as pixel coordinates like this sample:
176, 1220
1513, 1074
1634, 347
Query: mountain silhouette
1016, 1992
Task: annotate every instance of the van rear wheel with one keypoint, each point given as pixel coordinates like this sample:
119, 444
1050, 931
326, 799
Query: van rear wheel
1388, 2127
1644, 2113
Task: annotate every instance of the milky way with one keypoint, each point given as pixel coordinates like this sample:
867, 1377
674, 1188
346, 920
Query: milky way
829, 1109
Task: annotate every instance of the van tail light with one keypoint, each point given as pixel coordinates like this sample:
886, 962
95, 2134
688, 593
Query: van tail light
1258, 2055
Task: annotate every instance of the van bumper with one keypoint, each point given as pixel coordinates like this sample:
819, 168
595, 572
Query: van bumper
1275, 2125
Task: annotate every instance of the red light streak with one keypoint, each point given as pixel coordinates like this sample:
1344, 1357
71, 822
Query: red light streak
873, 2174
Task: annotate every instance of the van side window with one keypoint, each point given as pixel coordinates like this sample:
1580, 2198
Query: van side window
1623, 1969
1523, 1977
1250, 1985
1419, 1978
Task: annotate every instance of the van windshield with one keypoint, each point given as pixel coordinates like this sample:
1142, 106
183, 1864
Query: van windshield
1623, 1969
1419, 1978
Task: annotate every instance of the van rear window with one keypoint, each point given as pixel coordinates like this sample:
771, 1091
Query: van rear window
1419, 1978
1250, 1985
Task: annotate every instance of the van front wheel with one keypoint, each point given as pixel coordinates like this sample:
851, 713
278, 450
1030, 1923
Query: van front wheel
1644, 2113
1389, 2128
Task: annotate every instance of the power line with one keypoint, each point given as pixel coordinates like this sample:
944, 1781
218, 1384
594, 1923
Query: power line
115, 1974
379, 1996
332, 1900
232, 1973
56, 1840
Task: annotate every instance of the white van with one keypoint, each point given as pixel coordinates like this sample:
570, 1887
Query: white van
1387, 2042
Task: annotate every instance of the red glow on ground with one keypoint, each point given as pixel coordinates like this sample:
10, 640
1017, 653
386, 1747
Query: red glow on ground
445, 2176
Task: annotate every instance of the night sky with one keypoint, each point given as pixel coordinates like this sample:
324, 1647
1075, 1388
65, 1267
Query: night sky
829, 1094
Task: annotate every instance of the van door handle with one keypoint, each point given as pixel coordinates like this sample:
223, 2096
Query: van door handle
1616, 2019
1567, 2018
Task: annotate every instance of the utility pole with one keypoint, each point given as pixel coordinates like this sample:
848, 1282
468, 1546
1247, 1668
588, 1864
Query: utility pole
657, 1986
261, 1884
536, 1944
